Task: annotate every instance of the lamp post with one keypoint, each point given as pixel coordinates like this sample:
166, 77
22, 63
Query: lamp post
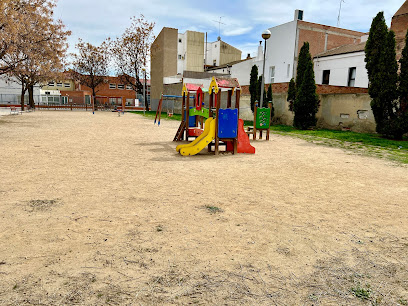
265, 35
144, 91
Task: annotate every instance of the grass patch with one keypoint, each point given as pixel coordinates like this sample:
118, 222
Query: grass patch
366, 143
362, 293
213, 209
152, 115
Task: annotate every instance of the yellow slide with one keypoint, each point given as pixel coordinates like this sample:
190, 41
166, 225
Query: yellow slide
197, 140
201, 144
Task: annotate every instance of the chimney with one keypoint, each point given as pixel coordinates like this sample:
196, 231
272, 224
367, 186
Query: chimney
298, 15
249, 56
260, 52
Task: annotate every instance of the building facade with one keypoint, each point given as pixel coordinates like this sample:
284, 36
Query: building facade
399, 25
286, 40
173, 54
343, 66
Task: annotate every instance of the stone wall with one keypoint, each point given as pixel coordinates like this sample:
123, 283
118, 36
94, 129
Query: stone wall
337, 111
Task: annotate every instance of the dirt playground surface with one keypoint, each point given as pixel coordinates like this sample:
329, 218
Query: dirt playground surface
100, 210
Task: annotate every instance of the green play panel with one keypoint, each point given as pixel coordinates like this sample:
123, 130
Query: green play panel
263, 118
204, 112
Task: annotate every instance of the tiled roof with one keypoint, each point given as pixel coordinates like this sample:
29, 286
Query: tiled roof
403, 9
343, 50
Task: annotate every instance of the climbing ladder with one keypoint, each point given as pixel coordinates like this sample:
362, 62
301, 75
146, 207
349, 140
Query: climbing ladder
180, 131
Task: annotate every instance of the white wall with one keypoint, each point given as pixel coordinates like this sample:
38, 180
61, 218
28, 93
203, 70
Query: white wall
213, 53
339, 69
181, 50
242, 70
280, 52
11, 87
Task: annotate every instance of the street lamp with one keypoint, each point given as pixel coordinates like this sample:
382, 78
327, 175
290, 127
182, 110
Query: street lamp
265, 35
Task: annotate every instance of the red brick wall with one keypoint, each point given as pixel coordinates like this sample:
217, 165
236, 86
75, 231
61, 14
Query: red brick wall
321, 89
399, 25
105, 91
315, 34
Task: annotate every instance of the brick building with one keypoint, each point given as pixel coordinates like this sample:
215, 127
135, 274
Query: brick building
399, 25
113, 92
287, 39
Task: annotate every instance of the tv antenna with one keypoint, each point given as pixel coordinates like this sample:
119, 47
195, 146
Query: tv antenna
338, 18
219, 27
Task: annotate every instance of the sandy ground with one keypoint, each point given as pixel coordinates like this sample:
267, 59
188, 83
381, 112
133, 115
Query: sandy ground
99, 209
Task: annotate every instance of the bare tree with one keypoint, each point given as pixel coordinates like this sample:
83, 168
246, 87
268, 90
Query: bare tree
22, 24
130, 52
90, 66
41, 48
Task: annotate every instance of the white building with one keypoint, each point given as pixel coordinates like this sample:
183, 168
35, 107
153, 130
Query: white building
241, 69
343, 66
283, 47
10, 91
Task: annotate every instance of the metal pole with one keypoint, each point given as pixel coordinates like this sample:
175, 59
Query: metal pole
263, 77
144, 94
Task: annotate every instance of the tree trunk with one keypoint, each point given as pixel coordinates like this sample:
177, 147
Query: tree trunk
31, 96
94, 106
23, 90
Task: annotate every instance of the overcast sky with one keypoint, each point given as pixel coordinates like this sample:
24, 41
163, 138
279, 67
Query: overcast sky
244, 20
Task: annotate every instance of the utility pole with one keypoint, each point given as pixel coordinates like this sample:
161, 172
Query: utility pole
338, 18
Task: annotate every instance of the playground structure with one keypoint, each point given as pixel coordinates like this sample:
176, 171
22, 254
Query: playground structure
190, 121
221, 127
262, 121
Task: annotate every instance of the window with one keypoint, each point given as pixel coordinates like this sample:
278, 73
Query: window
272, 74
64, 100
215, 46
59, 84
88, 99
51, 84
112, 86
352, 77
121, 86
179, 40
129, 102
179, 56
67, 85
288, 71
326, 77
129, 87
112, 101
215, 62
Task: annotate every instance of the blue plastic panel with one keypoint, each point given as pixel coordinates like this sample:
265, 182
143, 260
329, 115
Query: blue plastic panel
228, 123
191, 120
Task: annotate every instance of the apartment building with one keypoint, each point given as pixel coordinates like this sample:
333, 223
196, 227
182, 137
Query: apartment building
173, 54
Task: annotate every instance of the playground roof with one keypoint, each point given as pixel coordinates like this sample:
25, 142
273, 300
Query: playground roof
223, 82
193, 87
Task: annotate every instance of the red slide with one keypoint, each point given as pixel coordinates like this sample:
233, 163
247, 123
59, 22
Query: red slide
243, 140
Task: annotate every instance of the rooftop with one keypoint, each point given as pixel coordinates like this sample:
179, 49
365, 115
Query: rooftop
343, 50
403, 9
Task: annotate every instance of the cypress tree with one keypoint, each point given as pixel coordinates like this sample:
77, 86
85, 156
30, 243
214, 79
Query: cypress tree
306, 102
382, 69
258, 90
253, 85
291, 94
269, 98
303, 58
